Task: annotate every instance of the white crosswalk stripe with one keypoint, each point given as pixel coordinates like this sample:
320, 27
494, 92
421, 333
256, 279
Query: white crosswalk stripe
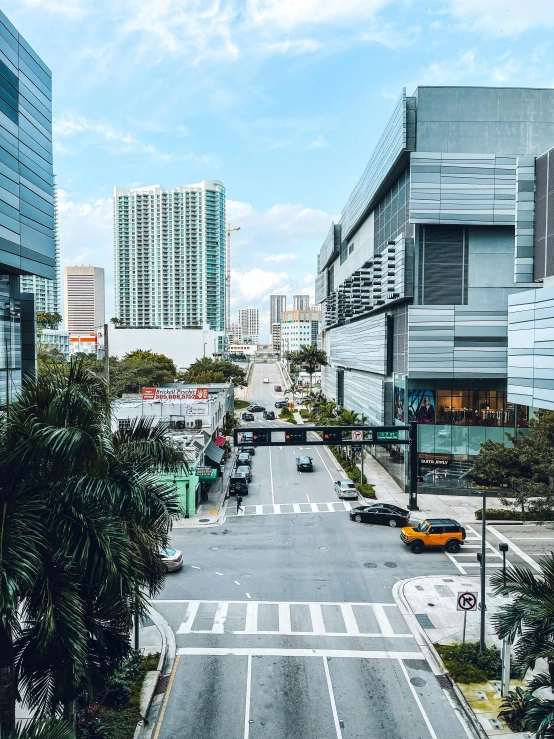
278, 509
292, 618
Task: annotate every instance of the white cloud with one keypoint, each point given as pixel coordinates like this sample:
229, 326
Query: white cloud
279, 258
257, 283
183, 130
283, 220
320, 142
291, 14
71, 8
504, 16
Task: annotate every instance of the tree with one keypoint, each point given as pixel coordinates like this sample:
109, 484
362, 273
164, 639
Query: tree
116, 321
48, 320
207, 370
312, 358
84, 514
48, 355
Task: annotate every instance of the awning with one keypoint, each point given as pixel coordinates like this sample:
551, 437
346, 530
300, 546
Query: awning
219, 440
214, 453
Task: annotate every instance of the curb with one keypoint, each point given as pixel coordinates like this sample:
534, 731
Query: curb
461, 707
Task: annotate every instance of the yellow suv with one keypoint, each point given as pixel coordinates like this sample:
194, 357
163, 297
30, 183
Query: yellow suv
434, 532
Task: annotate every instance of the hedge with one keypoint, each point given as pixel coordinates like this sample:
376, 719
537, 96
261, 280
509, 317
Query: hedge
467, 664
501, 514
239, 404
368, 491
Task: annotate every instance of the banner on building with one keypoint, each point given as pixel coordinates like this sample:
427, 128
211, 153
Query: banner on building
196, 409
161, 393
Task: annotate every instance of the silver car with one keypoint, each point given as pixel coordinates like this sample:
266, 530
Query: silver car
346, 489
171, 558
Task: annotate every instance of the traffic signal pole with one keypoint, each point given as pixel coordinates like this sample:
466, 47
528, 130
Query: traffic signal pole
414, 464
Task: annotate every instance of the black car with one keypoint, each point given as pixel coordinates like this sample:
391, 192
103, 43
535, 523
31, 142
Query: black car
244, 469
269, 415
238, 483
247, 416
384, 513
256, 408
251, 450
244, 458
281, 404
304, 464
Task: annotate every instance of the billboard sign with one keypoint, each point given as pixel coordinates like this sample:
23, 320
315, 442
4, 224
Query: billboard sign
162, 393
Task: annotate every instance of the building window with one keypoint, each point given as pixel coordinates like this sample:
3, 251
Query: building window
124, 424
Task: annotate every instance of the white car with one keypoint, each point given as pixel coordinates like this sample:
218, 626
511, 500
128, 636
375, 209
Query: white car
266, 379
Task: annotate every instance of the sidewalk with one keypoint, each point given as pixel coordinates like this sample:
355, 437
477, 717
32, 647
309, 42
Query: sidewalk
211, 512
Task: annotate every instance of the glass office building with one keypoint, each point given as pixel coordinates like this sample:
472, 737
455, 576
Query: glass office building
416, 278
27, 206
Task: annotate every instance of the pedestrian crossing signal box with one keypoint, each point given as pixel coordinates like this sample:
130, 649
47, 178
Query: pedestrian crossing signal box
332, 436
295, 437
260, 437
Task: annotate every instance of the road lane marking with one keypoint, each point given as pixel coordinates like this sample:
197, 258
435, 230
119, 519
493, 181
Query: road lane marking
296, 508
416, 698
166, 698
247, 699
382, 620
330, 475
316, 614
349, 619
284, 618
251, 622
192, 610
277, 602
248, 595
236, 582
332, 699
219, 573
194, 567
271, 477
308, 497
220, 618
264, 652
515, 549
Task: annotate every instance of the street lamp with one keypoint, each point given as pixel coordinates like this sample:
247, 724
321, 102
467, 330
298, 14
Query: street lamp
503, 547
506, 643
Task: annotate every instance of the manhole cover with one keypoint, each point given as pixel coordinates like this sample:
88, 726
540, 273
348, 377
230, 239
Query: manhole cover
447, 579
204, 520
214, 549
391, 564
371, 565
419, 682
324, 548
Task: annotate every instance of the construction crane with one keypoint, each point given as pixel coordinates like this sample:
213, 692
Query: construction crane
228, 281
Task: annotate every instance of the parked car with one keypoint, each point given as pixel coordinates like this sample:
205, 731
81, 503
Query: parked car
246, 470
256, 408
304, 464
266, 380
246, 416
346, 489
238, 483
172, 559
278, 389
383, 513
434, 532
251, 450
281, 404
244, 458
269, 415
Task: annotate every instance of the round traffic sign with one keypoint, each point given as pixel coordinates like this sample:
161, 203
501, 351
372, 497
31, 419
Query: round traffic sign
467, 601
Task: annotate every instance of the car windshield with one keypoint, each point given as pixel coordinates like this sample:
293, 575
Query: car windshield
170, 552
423, 527
347, 484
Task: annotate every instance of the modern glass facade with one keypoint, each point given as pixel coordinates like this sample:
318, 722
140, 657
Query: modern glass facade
27, 205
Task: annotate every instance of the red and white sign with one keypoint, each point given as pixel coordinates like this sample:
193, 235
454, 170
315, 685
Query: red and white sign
162, 393
467, 601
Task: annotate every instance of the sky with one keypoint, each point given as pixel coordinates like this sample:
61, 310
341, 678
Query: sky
282, 100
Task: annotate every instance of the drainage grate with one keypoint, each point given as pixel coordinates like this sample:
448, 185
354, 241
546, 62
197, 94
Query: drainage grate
444, 681
162, 684
204, 520
391, 564
424, 621
371, 565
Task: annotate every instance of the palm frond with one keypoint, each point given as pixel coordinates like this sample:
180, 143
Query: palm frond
50, 728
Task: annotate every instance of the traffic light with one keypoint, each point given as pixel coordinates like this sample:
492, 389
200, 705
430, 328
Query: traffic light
295, 437
333, 436
260, 437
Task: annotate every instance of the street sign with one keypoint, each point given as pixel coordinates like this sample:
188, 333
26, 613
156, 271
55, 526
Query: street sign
357, 435
467, 601
387, 435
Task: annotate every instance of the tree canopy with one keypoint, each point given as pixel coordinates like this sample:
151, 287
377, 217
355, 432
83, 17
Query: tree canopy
214, 370
48, 320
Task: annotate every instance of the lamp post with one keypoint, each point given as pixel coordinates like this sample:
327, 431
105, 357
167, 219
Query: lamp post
506, 644
481, 558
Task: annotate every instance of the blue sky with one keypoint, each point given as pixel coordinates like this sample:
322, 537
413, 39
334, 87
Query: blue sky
282, 100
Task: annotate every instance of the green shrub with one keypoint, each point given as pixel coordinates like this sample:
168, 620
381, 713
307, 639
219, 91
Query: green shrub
121, 683
501, 514
95, 729
122, 722
488, 662
465, 673
304, 413
515, 707
367, 491
151, 662
239, 404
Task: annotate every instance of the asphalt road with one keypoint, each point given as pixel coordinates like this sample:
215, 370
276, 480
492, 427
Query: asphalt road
285, 623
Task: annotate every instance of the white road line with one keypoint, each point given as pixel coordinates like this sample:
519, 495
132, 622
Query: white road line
532, 538
219, 573
382, 620
376, 635
247, 699
219, 618
259, 510
330, 475
296, 508
251, 622
264, 652
455, 563
236, 582
332, 699
416, 698
308, 497
349, 620
194, 567
284, 618
248, 595
316, 614
277, 602
276, 508
515, 549
271, 477
314, 507
192, 610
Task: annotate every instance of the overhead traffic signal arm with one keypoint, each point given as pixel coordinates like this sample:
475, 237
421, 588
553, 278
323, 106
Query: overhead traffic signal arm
332, 436
295, 437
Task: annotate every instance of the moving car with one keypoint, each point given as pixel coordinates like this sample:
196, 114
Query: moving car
256, 408
383, 513
304, 464
278, 389
245, 470
246, 416
346, 489
172, 559
244, 458
434, 532
238, 483
269, 415
281, 404
251, 450
266, 380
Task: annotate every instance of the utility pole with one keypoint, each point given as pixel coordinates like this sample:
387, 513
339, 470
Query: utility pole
483, 571
228, 281
106, 355
414, 464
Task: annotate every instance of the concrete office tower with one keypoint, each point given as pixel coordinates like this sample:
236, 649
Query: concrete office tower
170, 256
276, 337
47, 292
249, 323
277, 304
84, 300
440, 236
300, 302
299, 328
27, 243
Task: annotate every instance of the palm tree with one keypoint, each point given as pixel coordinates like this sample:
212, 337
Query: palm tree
312, 358
84, 514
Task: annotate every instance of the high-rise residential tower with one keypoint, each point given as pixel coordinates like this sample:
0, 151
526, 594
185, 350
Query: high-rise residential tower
249, 324
300, 302
170, 256
27, 243
84, 300
277, 304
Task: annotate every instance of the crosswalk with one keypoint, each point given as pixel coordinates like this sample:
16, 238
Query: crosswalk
466, 560
336, 506
293, 619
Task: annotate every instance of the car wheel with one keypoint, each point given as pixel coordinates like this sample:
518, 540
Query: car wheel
453, 546
417, 547
358, 518
392, 523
